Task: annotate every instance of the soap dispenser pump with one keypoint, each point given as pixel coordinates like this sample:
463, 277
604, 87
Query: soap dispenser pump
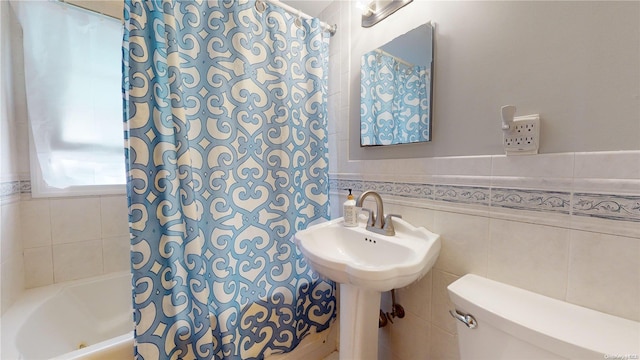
350, 212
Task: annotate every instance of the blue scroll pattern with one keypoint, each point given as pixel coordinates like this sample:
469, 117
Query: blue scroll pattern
607, 206
394, 101
225, 127
619, 207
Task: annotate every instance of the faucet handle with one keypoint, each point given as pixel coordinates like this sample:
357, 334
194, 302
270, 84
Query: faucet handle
388, 224
389, 216
371, 218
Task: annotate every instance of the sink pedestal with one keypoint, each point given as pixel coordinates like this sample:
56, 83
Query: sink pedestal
359, 312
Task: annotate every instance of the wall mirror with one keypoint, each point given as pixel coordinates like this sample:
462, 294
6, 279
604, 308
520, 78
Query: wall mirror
396, 90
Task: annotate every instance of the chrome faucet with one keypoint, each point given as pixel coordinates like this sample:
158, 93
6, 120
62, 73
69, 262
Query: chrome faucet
377, 222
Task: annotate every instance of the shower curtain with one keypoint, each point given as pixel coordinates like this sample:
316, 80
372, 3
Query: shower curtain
226, 145
394, 101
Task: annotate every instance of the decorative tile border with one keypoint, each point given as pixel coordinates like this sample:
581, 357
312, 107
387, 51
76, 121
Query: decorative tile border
12, 188
25, 186
355, 185
604, 206
535, 200
612, 207
333, 184
420, 191
9, 188
383, 188
463, 194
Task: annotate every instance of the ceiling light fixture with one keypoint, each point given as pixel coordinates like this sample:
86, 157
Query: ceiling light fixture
374, 11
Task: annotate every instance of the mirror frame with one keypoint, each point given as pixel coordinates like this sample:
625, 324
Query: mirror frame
431, 29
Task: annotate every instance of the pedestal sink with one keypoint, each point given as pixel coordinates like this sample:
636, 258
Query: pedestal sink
365, 264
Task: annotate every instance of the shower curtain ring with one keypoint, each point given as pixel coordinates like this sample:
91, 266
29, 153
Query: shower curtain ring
298, 20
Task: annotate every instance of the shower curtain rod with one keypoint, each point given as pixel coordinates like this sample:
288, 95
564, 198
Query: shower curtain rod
326, 27
382, 52
80, 7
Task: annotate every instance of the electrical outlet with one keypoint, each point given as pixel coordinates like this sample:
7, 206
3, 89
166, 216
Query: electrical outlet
523, 136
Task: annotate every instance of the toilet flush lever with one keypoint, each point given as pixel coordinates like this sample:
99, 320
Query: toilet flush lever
466, 319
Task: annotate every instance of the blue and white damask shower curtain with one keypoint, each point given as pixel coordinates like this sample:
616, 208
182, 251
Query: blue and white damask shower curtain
394, 101
225, 126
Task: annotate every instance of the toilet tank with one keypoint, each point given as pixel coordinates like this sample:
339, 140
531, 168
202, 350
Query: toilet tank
512, 323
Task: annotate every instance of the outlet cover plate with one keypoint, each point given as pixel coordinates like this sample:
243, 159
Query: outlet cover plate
523, 137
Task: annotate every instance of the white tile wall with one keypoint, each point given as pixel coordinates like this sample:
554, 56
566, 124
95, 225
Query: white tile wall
114, 216
9, 231
39, 263
440, 302
416, 298
547, 166
467, 247
583, 260
402, 336
12, 282
36, 223
75, 219
444, 345
604, 273
51, 240
529, 256
607, 165
11, 263
589, 268
77, 260
73, 238
115, 253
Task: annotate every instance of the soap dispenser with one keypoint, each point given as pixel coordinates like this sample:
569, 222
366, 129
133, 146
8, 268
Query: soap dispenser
350, 213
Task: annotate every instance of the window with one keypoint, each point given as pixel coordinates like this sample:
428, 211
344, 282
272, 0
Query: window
72, 61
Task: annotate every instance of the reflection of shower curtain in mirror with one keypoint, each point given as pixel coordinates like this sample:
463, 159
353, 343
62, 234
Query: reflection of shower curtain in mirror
394, 103
225, 113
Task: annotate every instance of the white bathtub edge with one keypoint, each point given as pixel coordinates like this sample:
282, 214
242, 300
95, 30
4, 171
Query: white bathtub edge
102, 350
30, 300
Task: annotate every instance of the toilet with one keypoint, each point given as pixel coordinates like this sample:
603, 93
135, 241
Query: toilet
499, 321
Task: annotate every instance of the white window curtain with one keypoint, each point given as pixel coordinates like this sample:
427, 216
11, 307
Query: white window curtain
72, 61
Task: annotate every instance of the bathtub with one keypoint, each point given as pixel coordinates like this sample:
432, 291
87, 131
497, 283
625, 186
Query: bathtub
83, 319
91, 319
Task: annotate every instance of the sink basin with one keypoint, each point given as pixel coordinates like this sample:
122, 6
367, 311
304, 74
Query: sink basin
365, 264
356, 256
